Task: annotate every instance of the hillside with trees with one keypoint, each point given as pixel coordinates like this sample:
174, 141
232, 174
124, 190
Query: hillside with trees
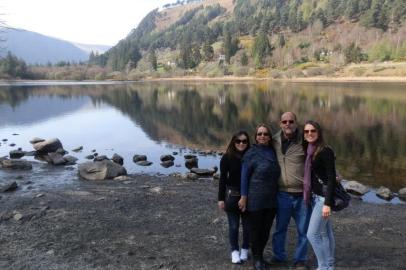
262, 38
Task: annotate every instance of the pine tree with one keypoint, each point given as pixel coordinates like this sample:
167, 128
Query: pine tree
244, 59
261, 49
208, 52
153, 59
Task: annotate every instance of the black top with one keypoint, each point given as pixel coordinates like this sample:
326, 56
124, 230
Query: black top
323, 167
230, 174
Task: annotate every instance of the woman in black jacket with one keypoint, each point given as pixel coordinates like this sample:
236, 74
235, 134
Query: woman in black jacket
229, 194
259, 185
320, 180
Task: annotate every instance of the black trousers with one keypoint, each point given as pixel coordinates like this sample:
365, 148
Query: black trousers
260, 227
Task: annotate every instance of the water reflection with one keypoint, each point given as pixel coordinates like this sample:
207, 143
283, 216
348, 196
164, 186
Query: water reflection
364, 122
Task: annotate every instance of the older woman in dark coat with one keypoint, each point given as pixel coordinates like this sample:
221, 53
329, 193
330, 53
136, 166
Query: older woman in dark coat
259, 180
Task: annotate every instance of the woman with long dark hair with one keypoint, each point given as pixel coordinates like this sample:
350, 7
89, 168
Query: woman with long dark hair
259, 184
319, 180
229, 194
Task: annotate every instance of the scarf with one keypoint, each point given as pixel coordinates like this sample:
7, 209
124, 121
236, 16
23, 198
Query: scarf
311, 148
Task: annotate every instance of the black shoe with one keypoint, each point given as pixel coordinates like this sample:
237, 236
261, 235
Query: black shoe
259, 265
300, 266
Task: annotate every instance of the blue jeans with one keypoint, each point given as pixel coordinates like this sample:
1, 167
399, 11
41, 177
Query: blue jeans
233, 229
291, 206
321, 237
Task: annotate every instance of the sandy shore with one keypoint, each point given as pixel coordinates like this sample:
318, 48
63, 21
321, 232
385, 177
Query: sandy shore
151, 222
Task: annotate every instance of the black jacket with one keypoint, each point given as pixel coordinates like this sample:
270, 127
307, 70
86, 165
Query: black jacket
230, 174
323, 167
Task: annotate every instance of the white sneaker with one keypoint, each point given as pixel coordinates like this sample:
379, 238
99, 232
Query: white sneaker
244, 255
235, 257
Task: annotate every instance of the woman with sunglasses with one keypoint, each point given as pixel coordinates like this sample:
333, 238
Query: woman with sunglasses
320, 180
259, 183
229, 194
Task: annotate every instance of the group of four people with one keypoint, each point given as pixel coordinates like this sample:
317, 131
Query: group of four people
279, 176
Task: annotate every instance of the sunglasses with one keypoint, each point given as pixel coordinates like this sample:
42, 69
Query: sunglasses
307, 131
262, 134
245, 141
287, 121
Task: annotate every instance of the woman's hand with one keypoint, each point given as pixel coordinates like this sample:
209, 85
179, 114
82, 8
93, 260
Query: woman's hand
221, 205
326, 211
242, 203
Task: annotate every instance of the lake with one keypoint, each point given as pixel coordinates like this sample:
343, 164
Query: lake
365, 123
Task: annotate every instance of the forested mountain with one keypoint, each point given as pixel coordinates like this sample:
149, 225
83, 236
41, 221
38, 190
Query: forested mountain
261, 34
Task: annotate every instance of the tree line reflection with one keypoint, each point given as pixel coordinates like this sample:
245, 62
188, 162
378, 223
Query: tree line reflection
365, 123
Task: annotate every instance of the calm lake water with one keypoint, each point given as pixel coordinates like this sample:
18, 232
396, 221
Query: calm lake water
364, 122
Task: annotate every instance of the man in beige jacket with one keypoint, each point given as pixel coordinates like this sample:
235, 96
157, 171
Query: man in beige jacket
291, 158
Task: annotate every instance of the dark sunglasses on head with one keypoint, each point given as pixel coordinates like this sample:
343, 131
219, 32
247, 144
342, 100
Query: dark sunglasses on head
262, 134
307, 131
238, 141
287, 121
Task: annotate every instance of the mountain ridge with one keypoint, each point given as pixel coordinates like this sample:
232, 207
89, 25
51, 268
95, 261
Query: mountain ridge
35, 48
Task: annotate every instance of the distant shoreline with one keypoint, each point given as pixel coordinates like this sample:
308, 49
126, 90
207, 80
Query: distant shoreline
308, 79
220, 79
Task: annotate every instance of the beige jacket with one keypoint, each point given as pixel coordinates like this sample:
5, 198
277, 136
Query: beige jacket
292, 163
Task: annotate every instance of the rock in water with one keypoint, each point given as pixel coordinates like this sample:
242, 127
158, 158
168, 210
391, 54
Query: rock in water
384, 193
9, 187
137, 158
78, 149
101, 170
48, 146
144, 163
37, 140
16, 164
202, 172
191, 163
116, 158
356, 188
167, 163
16, 154
402, 193
167, 158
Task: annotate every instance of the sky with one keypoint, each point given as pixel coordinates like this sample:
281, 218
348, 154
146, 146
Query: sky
102, 22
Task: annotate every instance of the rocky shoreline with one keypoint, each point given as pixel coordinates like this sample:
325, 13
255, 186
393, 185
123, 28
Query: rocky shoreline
149, 222
102, 167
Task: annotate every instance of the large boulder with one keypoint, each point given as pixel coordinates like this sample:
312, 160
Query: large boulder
101, 170
16, 164
47, 146
355, 188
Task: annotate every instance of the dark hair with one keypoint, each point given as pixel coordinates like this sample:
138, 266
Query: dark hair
231, 149
319, 143
269, 130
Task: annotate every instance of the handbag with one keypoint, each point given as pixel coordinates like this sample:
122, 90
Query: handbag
232, 197
341, 199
